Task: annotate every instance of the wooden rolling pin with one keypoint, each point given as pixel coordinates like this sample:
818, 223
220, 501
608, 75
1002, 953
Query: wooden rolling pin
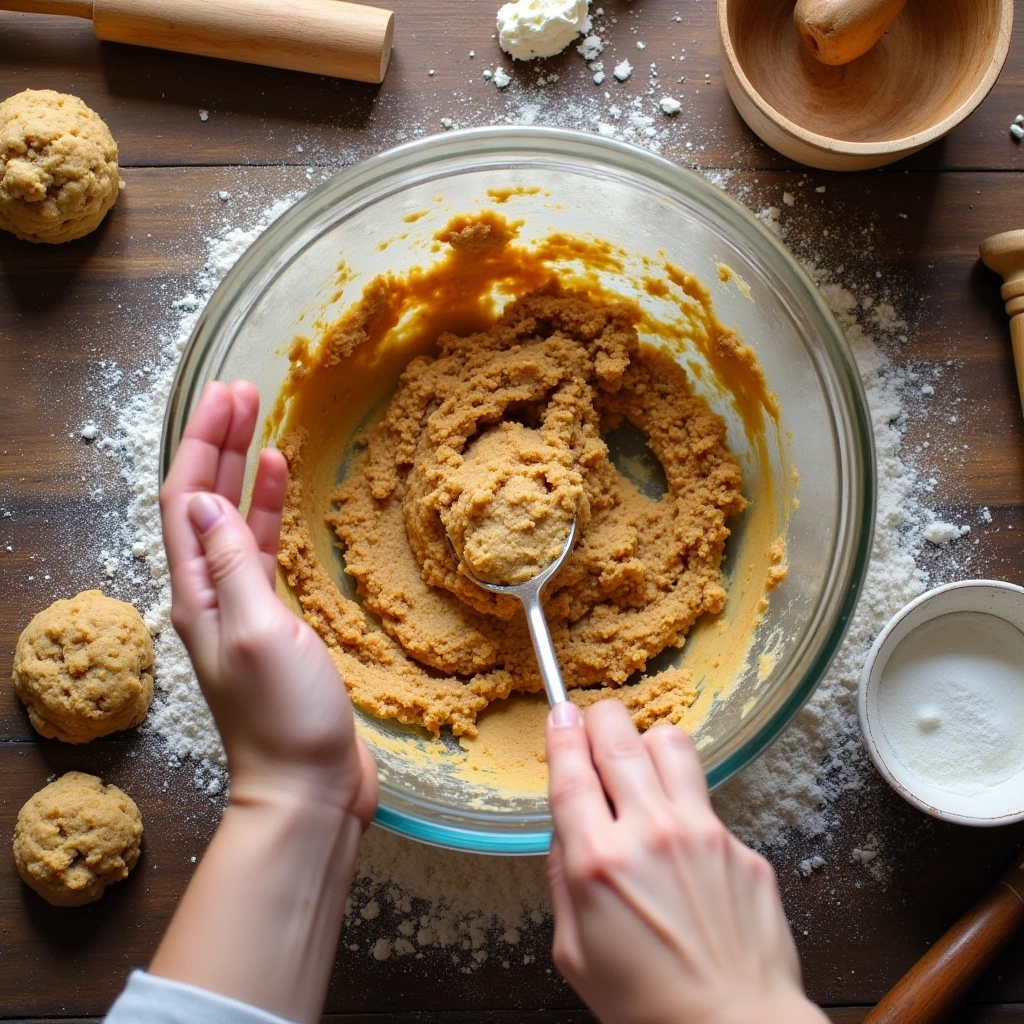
838, 31
1004, 254
325, 37
930, 990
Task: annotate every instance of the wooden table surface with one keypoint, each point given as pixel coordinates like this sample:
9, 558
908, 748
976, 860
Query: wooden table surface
66, 312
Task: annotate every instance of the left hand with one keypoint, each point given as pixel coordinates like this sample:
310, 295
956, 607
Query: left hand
283, 712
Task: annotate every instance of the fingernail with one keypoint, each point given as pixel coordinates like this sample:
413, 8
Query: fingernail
204, 512
565, 714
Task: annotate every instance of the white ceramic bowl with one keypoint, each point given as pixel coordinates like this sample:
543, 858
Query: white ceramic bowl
1000, 804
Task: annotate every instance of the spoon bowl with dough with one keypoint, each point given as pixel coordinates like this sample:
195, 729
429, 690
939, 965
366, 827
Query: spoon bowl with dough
529, 594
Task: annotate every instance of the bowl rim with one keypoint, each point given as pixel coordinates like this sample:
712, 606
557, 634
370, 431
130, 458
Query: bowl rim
940, 598
908, 143
503, 143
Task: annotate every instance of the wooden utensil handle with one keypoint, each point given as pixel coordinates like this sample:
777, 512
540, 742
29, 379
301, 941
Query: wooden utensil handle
1017, 342
939, 980
74, 8
1004, 253
325, 37
838, 31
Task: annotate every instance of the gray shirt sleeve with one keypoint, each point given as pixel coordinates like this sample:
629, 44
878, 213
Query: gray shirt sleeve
154, 1000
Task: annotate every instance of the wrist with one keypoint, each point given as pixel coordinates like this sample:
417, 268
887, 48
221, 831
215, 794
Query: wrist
299, 815
783, 1008
296, 789
271, 888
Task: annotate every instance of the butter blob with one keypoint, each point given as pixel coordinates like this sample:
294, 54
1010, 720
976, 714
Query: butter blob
539, 28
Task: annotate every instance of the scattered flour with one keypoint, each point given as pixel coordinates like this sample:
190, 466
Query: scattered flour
939, 532
419, 898
820, 756
410, 899
809, 865
590, 48
179, 714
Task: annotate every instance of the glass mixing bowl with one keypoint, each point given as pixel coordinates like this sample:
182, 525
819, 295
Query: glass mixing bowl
813, 481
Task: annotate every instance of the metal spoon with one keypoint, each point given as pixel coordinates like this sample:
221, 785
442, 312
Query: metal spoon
529, 594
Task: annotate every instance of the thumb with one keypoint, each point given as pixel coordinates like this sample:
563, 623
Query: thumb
232, 557
575, 794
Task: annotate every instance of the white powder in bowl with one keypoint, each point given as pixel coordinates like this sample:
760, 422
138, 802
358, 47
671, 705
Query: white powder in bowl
951, 702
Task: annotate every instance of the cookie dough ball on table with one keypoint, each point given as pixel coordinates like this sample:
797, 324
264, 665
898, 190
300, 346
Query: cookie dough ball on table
75, 837
84, 668
58, 167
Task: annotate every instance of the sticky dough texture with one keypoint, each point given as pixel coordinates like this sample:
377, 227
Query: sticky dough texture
641, 574
58, 167
84, 668
75, 837
509, 501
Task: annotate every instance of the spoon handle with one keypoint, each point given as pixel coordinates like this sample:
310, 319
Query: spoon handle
545, 649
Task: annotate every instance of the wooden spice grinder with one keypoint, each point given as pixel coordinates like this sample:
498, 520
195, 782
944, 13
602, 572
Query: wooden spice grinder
1004, 253
325, 37
930, 990
838, 31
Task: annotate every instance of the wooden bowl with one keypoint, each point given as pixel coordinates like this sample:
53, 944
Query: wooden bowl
936, 64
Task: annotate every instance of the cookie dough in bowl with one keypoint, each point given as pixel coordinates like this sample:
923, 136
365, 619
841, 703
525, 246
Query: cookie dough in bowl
485, 335
58, 167
558, 372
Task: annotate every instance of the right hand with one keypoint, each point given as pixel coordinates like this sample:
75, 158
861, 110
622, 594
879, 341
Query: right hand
661, 915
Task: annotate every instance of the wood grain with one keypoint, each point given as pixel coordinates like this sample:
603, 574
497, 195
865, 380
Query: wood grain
335, 38
934, 67
938, 982
81, 323
151, 99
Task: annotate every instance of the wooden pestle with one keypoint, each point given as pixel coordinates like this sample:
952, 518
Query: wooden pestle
325, 37
1004, 253
838, 31
930, 990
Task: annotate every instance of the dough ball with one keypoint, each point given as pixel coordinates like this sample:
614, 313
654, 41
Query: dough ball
58, 167
75, 837
84, 668
517, 496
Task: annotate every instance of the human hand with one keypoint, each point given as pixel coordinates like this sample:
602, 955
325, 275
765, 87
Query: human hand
281, 707
660, 914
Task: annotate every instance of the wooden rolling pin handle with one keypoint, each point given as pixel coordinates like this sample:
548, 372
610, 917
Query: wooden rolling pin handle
72, 8
1004, 253
324, 37
930, 990
838, 31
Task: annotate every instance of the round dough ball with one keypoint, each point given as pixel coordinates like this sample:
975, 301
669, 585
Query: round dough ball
75, 837
58, 167
84, 668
